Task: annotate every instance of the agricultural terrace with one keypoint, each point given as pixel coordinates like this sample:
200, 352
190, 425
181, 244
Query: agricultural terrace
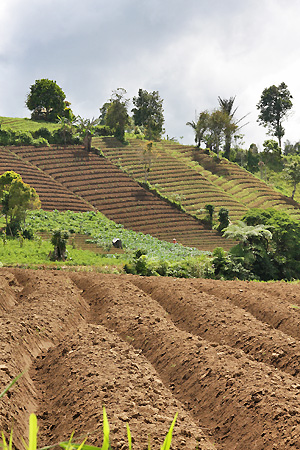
196, 178
53, 195
241, 184
108, 189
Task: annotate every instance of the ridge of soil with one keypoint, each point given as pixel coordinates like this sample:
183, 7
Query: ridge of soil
224, 355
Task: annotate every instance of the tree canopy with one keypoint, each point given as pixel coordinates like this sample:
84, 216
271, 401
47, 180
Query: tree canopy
47, 100
17, 198
148, 112
116, 116
274, 105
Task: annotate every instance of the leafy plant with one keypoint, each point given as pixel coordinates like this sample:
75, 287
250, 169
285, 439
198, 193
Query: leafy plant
59, 241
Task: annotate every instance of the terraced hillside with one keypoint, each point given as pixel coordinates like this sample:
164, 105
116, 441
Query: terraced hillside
241, 184
107, 188
196, 178
53, 195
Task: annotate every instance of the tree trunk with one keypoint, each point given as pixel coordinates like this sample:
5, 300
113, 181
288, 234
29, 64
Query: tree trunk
294, 190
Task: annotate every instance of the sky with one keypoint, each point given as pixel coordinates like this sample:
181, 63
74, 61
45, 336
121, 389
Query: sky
190, 51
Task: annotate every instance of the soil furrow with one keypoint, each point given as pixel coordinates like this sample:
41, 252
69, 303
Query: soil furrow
42, 312
94, 367
241, 401
274, 303
218, 320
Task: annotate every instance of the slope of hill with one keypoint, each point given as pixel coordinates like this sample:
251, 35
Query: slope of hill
104, 186
53, 195
197, 178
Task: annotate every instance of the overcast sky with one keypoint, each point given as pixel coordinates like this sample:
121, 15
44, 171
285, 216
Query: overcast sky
191, 51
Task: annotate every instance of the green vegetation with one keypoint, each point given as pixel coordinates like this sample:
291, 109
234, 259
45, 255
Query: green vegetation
148, 113
160, 257
268, 248
274, 105
47, 101
17, 198
116, 116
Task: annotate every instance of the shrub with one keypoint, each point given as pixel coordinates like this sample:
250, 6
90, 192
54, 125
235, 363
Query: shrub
23, 138
223, 219
6, 137
43, 132
103, 130
59, 240
40, 142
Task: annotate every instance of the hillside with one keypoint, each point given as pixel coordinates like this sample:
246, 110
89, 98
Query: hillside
69, 178
102, 185
197, 178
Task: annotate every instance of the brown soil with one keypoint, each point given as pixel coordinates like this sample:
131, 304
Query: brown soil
224, 355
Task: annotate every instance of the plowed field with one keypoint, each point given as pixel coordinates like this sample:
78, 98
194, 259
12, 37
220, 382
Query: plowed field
224, 355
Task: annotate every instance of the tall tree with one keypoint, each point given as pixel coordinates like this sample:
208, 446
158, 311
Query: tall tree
200, 127
148, 112
274, 105
116, 115
46, 100
226, 106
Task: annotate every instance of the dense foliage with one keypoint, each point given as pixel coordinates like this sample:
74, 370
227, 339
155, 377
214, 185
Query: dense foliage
268, 248
17, 198
274, 105
148, 113
46, 100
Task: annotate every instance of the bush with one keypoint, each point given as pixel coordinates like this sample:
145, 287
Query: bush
223, 219
23, 138
43, 132
103, 130
6, 137
40, 142
59, 241
228, 267
194, 267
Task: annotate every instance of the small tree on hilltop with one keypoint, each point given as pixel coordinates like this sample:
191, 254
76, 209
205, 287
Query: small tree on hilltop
17, 198
46, 100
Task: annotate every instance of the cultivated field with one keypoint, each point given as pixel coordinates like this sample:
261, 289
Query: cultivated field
95, 182
224, 355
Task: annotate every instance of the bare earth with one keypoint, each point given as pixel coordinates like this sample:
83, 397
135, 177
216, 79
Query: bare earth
224, 355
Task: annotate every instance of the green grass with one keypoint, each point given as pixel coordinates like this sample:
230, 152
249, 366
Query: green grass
18, 124
102, 231
36, 253
175, 259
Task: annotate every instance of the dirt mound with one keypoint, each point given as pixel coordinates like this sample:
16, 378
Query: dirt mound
224, 355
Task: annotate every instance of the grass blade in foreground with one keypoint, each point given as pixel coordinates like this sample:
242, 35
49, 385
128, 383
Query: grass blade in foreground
129, 437
11, 384
167, 442
33, 431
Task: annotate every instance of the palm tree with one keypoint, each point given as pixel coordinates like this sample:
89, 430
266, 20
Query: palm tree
226, 106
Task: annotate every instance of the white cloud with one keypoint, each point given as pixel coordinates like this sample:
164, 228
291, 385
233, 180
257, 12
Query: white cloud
190, 51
